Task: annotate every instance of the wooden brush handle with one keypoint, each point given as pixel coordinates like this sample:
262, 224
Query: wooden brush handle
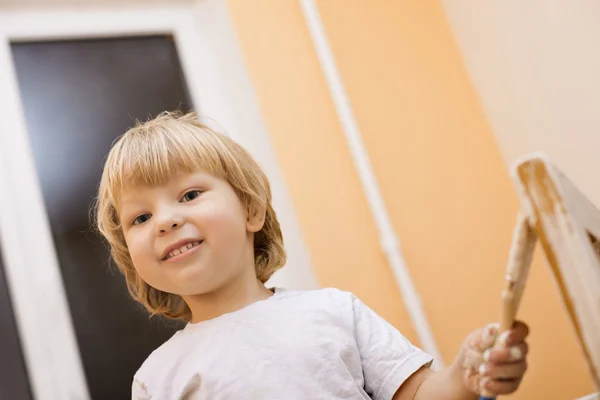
517, 270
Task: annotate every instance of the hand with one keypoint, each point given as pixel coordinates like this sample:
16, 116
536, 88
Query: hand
499, 369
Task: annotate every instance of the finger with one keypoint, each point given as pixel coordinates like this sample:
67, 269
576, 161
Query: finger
472, 359
483, 338
488, 336
515, 335
506, 354
510, 371
520, 331
499, 386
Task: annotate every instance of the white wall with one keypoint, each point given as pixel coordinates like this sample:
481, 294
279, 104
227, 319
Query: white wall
536, 67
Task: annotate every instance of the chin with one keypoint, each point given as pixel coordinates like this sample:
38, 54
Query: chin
192, 291
185, 287
191, 288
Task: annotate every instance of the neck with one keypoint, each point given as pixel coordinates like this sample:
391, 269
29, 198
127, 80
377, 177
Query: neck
231, 297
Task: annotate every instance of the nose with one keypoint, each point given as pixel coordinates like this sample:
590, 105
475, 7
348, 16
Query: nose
168, 222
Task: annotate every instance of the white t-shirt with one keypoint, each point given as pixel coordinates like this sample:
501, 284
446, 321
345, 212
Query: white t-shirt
321, 344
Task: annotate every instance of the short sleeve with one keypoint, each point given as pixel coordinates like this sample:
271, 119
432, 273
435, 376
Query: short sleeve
388, 358
139, 391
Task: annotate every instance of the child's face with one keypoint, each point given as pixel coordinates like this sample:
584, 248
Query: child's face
188, 237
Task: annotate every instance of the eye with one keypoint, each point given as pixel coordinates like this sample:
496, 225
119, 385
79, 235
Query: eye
141, 219
191, 195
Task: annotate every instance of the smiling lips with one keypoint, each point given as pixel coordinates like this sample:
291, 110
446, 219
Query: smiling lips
184, 248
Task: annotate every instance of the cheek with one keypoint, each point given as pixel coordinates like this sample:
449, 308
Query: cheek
224, 224
140, 252
146, 265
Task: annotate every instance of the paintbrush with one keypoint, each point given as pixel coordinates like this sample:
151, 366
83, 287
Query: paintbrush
519, 261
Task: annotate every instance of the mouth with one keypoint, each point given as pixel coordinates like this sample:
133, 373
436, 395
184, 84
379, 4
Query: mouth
179, 249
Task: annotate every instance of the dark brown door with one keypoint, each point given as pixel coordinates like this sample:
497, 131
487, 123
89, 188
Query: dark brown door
78, 96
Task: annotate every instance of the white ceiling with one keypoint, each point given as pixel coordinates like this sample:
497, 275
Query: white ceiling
81, 3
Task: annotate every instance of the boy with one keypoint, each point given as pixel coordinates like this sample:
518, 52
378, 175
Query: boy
188, 217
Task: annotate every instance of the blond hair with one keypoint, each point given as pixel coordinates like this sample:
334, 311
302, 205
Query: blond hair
149, 154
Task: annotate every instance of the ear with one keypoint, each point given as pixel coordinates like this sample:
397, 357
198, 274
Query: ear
256, 218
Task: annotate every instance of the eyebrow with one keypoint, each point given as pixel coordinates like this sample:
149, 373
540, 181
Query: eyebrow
132, 198
126, 201
123, 205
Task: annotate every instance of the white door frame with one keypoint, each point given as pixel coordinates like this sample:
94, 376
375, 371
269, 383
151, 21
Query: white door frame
219, 87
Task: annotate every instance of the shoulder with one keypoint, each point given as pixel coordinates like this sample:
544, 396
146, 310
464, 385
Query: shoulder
165, 354
330, 302
318, 297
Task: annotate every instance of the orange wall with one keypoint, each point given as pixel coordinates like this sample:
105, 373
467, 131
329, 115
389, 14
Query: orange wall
331, 207
436, 159
439, 169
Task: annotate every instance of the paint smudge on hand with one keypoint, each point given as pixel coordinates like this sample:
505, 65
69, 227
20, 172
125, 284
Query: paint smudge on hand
473, 354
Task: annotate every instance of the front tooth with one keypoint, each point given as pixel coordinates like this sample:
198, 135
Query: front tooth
176, 252
183, 249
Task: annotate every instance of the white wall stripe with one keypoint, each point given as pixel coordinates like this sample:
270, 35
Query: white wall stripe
389, 241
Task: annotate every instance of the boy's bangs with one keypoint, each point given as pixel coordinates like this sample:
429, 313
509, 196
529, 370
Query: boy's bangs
148, 159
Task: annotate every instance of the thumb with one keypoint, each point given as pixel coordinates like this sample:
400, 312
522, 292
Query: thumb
476, 343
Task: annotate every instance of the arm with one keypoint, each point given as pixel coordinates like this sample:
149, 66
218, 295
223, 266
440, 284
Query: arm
500, 369
426, 384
